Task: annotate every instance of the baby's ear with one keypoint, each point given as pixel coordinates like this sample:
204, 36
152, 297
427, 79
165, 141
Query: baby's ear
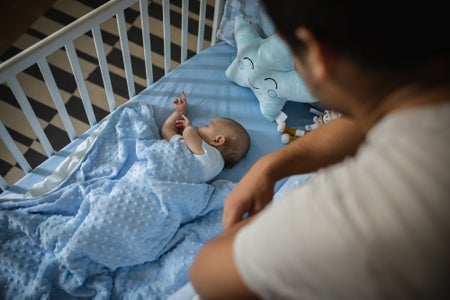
218, 140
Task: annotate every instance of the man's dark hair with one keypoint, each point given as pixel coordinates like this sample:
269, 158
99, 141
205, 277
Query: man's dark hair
387, 36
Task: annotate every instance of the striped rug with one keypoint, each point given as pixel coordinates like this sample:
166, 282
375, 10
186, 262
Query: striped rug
60, 14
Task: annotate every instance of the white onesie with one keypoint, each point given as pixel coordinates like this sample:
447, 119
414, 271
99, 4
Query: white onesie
211, 162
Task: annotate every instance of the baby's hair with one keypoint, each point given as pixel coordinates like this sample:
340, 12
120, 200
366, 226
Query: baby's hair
237, 143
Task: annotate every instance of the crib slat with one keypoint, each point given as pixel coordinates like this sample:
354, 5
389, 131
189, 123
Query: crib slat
12, 147
56, 96
21, 98
218, 11
201, 25
55, 41
166, 33
143, 4
98, 42
125, 53
3, 183
184, 29
79, 79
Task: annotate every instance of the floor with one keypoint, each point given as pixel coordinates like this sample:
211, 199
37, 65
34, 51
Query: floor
21, 13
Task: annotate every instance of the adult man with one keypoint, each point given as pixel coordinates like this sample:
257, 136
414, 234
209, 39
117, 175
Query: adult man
374, 222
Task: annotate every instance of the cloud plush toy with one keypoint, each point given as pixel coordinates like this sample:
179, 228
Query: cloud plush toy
266, 67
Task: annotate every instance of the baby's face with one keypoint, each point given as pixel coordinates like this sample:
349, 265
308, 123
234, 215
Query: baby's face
214, 128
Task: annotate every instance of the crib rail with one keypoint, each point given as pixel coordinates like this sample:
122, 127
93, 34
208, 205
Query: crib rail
64, 39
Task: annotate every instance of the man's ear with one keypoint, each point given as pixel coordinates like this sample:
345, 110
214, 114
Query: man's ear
218, 140
318, 59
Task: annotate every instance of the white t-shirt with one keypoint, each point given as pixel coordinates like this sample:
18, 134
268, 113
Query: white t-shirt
212, 162
376, 226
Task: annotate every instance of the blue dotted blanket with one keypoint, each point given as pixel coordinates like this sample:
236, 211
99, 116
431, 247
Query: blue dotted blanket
126, 224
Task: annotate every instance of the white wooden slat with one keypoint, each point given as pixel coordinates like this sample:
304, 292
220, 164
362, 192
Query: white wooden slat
121, 25
3, 183
184, 29
218, 11
201, 25
143, 4
98, 42
12, 147
79, 79
166, 33
21, 98
57, 40
56, 96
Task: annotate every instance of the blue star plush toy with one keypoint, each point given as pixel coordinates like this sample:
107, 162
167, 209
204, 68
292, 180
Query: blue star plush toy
266, 67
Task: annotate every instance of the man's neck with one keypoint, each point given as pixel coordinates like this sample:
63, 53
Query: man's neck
401, 99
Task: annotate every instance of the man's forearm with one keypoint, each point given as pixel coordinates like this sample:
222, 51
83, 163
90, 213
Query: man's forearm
208, 273
324, 146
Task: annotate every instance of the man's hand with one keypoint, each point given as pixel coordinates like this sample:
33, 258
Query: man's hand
251, 195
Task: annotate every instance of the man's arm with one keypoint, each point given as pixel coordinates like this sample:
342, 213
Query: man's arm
324, 146
214, 274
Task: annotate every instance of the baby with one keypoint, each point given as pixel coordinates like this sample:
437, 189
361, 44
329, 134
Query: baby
223, 142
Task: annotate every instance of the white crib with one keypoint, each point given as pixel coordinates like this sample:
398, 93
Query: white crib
37, 54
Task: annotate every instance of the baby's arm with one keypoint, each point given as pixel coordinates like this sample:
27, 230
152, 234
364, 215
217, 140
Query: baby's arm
169, 128
191, 137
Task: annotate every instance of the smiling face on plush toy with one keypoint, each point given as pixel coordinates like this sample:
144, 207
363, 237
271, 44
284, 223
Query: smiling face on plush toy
267, 85
266, 67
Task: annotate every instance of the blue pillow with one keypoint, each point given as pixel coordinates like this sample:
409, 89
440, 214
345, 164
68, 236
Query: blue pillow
266, 67
253, 12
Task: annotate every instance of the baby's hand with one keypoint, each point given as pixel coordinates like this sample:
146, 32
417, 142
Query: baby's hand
180, 104
182, 123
